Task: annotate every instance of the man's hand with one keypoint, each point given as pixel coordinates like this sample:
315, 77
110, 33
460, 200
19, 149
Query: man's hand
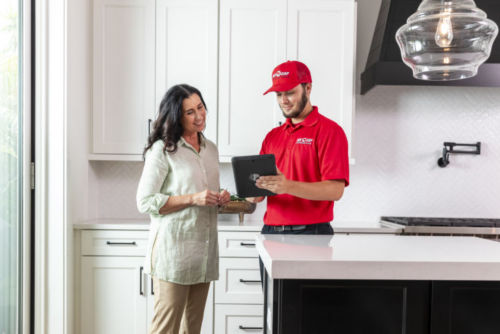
278, 184
224, 197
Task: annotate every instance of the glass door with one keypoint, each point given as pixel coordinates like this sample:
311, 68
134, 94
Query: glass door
10, 165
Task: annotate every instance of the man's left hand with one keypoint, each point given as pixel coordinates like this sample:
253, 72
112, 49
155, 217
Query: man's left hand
278, 184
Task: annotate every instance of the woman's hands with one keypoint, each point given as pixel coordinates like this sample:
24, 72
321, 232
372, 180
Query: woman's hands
210, 198
224, 197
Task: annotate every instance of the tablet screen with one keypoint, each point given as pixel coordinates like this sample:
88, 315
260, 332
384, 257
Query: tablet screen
247, 169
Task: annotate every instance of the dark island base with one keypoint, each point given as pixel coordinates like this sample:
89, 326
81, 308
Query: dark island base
381, 307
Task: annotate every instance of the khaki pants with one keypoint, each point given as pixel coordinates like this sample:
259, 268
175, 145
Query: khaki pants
177, 307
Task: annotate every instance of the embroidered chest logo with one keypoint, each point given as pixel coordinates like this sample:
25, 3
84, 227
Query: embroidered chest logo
304, 141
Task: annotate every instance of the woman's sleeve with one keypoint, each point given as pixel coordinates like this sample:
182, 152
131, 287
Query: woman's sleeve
149, 198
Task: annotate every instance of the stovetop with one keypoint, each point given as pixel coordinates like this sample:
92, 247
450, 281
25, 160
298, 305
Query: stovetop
456, 222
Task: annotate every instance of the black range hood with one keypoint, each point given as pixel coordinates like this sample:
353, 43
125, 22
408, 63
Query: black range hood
385, 66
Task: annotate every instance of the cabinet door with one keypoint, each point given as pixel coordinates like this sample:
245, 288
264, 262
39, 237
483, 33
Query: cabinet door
123, 75
113, 294
186, 51
252, 43
463, 307
322, 34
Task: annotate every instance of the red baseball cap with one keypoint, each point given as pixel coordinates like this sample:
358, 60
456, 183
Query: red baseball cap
288, 75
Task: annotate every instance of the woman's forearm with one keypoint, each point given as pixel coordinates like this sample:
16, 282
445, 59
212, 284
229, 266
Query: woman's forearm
177, 203
203, 198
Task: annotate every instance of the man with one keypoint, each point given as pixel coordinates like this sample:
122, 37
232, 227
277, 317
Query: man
311, 157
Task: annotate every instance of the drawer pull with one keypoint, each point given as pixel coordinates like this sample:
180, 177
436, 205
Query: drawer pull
140, 281
131, 243
249, 281
251, 328
247, 244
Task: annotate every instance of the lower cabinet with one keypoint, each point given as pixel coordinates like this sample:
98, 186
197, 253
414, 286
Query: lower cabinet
117, 297
114, 296
236, 319
239, 298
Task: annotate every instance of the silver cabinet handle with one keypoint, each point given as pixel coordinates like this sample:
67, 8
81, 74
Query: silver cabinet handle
141, 292
130, 243
152, 288
247, 244
149, 126
251, 328
249, 281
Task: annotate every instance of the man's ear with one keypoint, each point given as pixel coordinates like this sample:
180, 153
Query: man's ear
308, 88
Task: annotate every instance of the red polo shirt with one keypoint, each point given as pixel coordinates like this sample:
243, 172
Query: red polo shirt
311, 151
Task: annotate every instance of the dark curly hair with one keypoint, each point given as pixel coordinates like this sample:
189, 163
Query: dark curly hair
167, 125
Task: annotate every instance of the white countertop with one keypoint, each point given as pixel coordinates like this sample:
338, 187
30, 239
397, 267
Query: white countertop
143, 225
375, 256
252, 226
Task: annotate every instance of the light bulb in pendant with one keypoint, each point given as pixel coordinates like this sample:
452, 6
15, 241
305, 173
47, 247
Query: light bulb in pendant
444, 31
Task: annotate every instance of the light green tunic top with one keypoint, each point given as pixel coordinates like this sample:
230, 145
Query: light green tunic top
185, 241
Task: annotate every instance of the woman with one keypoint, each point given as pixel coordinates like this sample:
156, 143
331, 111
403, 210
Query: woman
179, 188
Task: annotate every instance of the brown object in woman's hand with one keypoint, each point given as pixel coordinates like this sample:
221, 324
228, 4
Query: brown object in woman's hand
237, 207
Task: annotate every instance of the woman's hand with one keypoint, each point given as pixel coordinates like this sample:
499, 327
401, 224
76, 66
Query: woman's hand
205, 198
224, 197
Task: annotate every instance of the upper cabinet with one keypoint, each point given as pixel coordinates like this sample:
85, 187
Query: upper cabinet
252, 43
255, 36
123, 75
186, 51
225, 48
322, 34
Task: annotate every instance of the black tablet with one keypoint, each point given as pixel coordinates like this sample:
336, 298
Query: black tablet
247, 169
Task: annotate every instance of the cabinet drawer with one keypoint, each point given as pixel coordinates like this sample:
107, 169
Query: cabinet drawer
237, 244
131, 243
238, 319
239, 282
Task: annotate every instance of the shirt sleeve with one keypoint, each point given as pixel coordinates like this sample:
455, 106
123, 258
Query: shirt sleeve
263, 148
149, 198
333, 155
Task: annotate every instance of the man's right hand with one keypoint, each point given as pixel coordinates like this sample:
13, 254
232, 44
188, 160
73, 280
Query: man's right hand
205, 198
255, 199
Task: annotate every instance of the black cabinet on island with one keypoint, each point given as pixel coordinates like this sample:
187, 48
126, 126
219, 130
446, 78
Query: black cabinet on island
387, 284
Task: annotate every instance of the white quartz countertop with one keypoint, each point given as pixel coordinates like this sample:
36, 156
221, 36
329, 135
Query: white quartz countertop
375, 256
252, 226
143, 225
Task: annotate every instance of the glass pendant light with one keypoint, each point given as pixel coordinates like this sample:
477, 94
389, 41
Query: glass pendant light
446, 40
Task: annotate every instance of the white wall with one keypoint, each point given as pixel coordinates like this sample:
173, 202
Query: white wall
398, 137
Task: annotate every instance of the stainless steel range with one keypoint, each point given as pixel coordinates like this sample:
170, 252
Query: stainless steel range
480, 227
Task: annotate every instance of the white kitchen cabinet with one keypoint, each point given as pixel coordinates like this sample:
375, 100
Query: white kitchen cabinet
252, 43
186, 51
114, 296
238, 319
123, 75
238, 292
225, 48
321, 33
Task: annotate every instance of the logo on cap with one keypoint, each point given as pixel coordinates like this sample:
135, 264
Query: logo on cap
279, 74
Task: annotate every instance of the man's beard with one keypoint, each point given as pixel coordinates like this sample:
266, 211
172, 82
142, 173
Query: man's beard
300, 107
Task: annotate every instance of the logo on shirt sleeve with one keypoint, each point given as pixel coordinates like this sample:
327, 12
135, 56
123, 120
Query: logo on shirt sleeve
304, 141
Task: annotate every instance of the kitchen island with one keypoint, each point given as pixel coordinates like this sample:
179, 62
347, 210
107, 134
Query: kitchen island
380, 284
